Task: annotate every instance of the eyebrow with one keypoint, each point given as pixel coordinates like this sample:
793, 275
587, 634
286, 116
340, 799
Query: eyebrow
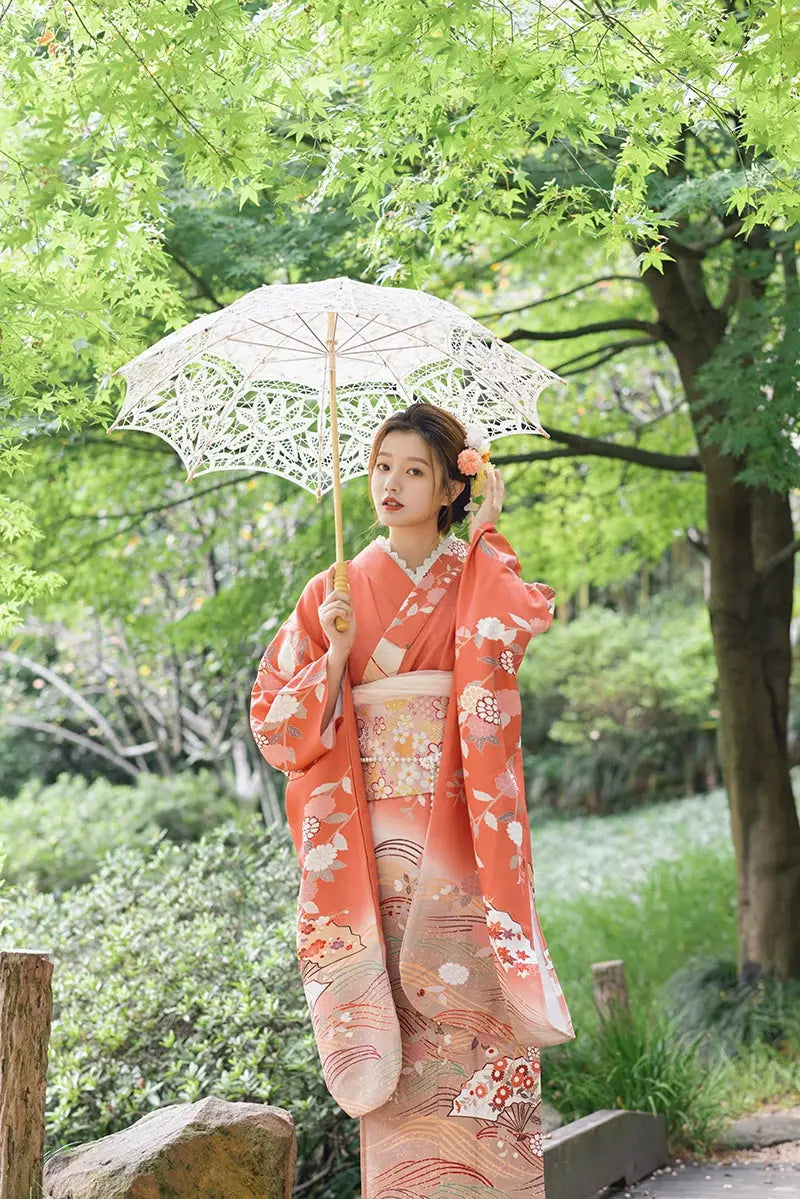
386, 454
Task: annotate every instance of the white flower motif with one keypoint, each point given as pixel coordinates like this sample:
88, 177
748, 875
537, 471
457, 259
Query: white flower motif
491, 627
407, 774
319, 858
471, 696
507, 660
514, 830
282, 707
310, 828
287, 660
454, 974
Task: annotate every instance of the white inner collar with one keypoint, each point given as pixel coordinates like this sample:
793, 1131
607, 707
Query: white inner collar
417, 573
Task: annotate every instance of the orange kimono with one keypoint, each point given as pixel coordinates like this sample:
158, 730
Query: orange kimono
427, 976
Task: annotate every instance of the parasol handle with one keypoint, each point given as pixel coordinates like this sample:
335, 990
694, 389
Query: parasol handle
340, 583
340, 571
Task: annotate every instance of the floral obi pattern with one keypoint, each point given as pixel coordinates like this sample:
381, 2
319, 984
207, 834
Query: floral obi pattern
400, 738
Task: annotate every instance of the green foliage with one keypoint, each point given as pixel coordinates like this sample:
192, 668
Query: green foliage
61, 833
680, 904
714, 1008
630, 695
118, 139
175, 977
753, 379
637, 1061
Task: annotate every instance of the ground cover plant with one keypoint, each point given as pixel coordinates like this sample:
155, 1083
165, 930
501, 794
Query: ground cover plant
176, 977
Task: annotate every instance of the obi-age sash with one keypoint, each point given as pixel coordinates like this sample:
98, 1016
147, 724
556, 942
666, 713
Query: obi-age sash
473, 952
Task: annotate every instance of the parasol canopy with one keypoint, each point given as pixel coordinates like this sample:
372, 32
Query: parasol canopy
291, 376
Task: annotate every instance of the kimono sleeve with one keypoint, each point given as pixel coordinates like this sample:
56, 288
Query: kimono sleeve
497, 615
529, 606
290, 693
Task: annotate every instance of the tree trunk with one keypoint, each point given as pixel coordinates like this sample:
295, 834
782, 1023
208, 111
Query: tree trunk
750, 619
26, 1004
750, 616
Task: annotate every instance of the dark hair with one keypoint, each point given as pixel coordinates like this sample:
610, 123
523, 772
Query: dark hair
445, 435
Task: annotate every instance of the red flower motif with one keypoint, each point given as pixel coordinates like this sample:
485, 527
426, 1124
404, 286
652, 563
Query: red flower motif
501, 1095
311, 949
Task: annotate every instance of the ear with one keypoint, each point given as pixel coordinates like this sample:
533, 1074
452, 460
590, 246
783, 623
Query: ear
456, 487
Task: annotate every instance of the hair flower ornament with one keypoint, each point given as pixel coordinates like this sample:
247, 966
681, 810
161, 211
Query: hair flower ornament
469, 462
472, 460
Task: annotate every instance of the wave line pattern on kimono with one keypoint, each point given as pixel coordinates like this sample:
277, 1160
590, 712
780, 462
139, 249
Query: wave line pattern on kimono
509, 970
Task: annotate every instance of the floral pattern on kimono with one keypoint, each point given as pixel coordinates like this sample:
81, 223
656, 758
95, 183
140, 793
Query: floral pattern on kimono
473, 956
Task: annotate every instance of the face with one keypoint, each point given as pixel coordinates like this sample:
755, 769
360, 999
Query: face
404, 473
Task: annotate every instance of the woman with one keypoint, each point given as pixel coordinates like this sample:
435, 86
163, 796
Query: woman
423, 961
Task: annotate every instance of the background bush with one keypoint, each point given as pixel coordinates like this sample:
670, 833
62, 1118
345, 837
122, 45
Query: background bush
619, 707
55, 836
176, 977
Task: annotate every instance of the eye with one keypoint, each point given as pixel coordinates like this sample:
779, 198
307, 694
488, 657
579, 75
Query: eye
415, 470
381, 465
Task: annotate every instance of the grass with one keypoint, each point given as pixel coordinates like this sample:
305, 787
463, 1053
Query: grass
628, 887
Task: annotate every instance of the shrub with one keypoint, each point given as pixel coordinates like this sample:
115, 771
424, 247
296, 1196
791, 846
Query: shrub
711, 1006
55, 836
175, 977
619, 706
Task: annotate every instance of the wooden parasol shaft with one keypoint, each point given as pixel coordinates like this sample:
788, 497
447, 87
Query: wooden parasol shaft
340, 570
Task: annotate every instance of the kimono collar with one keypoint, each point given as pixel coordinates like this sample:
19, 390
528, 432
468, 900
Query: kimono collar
448, 545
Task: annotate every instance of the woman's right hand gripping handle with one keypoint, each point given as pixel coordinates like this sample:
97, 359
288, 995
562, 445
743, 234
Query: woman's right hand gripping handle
336, 603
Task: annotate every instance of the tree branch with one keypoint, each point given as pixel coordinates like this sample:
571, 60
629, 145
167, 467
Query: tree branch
63, 734
137, 514
652, 330
203, 284
75, 698
606, 352
779, 558
598, 448
681, 249
561, 295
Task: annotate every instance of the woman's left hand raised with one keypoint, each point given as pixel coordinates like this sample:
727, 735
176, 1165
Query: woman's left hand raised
492, 504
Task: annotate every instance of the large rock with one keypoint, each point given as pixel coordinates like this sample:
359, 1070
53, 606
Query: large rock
211, 1149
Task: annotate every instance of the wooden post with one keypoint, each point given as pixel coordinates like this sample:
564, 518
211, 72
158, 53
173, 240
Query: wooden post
610, 988
26, 1008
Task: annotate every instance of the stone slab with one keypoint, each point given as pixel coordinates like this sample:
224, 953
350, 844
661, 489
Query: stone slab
757, 1132
602, 1149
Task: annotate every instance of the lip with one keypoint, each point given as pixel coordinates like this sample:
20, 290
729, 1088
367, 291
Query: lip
392, 505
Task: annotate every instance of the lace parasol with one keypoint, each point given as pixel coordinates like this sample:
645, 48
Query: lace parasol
293, 379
